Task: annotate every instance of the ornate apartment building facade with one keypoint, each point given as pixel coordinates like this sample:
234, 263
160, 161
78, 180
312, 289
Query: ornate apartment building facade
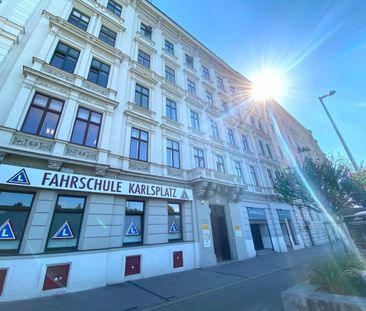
128, 150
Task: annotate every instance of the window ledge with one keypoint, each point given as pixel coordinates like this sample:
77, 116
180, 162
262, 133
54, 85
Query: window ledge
140, 110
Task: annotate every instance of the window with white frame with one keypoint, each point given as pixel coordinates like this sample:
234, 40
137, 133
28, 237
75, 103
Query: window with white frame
189, 60
269, 151
261, 147
220, 83
220, 163
169, 47
270, 177
191, 86
244, 139
170, 74
230, 137
214, 129
209, 97
146, 31
238, 171
199, 157
171, 109
205, 72
225, 107
195, 120
143, 59
173, 153
253, 175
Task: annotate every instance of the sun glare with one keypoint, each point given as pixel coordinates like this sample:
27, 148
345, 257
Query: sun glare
267, 84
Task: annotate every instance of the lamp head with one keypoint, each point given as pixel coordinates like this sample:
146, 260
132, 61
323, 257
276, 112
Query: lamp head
332, 92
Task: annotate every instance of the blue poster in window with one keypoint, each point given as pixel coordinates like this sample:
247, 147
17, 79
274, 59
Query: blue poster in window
173, 228
64, 232
132, 230
6, 231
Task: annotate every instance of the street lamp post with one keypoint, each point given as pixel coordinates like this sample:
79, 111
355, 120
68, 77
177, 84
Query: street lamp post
337, 131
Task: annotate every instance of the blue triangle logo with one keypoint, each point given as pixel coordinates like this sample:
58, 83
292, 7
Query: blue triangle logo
20, 178
6, 231
173, 228
132, 230
184, 195
64, 232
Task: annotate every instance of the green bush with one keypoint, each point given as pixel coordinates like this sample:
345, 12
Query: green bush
341, 275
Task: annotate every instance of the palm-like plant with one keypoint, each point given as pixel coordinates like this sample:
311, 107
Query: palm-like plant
343, 276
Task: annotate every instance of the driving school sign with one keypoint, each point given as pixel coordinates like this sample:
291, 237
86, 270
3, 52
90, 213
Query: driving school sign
30, 177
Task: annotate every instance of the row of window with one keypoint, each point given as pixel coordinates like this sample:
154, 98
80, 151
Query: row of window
67, 219
66, 57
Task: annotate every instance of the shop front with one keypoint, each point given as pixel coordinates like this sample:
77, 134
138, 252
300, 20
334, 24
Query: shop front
63, 232
259, 229
287, 229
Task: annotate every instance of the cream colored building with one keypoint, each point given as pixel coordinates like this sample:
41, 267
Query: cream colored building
127, 151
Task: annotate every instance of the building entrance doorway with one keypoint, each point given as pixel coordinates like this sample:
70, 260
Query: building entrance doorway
261, 236
219, 233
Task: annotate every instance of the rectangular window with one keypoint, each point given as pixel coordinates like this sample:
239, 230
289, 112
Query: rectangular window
86, 128
261, 147
230, 137
191, 87
43, 116
139, 145
14, 212
244, 139
260, 126
146, 31
114, 7
253, 175
199, 158
171, 109
214, 129
269, 151
170, 74
205, 73
142, 96
252, 120
220, 164
189, 60
99, 73
225, 108
173, 154
65, 57
108, 36
79, 19
209, 97
174, 222
238, 170
270, 177
169, 47
134, 222
195, 120
66, 223
143, 59
220, 83
232, 91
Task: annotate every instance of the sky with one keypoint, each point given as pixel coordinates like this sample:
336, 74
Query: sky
315, 45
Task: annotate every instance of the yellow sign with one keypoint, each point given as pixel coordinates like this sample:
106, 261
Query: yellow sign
204, 226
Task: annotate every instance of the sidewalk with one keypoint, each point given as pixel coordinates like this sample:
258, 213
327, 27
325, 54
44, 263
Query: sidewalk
153, 293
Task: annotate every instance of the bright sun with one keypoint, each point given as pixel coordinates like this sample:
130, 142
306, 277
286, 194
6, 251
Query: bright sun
267, 84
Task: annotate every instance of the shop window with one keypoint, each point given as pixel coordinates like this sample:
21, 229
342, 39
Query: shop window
14, 212
142, 96
173, 153
174, 222
134, 221
65, 57
99, 73
171, 109
66, 223
86, 128
139, 144
79, 19
114, 7
43, 116
143, 59
108, 36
